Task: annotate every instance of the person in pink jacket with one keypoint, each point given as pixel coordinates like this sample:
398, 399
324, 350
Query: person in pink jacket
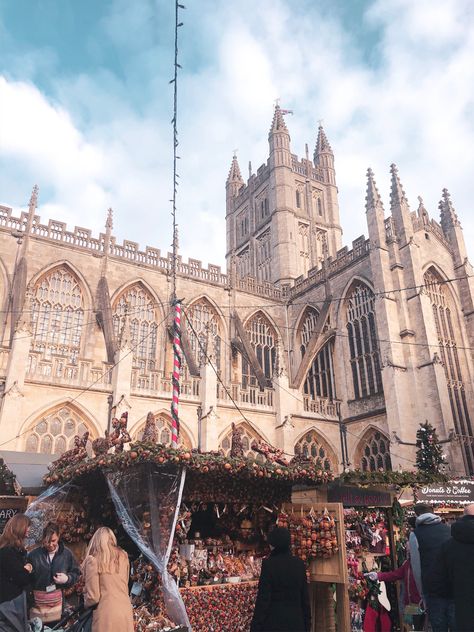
409, 595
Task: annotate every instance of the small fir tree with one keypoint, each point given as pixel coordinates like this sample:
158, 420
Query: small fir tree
429, 455
7, 479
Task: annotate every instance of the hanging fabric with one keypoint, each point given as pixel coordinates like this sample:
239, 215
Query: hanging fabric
147, 500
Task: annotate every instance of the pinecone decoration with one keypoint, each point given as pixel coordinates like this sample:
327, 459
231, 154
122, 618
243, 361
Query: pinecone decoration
150, 434
236, 447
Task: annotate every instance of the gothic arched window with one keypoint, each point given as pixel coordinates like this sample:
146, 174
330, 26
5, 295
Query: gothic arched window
307, 327
444, 312
263, 339
320, 377
54, 434
264, 257
313, 447
57, 315
205, 333
138, 306
248, 436
375, 452
363, 344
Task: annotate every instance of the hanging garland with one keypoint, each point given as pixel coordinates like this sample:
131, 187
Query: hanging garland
383, 477
213, 464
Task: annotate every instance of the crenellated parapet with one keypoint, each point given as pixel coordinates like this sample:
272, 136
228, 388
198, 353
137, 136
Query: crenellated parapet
332, 266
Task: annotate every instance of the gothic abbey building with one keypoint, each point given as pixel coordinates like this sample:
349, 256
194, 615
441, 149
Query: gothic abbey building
322, 349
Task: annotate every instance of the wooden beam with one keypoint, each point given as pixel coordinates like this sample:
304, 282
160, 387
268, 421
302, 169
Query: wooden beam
317, 340
250, 353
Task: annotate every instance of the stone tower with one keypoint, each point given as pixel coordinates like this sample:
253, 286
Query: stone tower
285, 220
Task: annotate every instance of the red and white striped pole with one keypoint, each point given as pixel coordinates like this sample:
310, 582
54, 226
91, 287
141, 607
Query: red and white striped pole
176, 375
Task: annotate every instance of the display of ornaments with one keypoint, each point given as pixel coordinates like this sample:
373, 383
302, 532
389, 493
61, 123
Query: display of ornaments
227, 608
312, 536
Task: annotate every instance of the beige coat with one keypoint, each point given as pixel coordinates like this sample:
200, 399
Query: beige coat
110, 592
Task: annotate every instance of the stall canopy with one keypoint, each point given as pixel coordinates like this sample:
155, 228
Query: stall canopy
29, 469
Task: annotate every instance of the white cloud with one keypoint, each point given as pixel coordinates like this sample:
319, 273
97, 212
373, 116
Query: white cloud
91, 149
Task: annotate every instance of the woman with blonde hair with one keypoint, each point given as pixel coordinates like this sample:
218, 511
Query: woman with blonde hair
15, 572
106, 571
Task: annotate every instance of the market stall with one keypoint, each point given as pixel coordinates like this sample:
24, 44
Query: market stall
195, 526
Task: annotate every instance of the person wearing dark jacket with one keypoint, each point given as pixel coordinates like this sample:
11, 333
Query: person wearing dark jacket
425, 545
282, 600
15, 571
453, 571
55, 568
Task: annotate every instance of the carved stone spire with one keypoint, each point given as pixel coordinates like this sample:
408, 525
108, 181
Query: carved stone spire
422, 212
322, 146
32, 205
279, 140
399, 209
278, 123
397, 194
449, 218
372, 200
375, 213
235, 175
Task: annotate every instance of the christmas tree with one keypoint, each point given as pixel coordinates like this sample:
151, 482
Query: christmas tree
7, 479
429, 455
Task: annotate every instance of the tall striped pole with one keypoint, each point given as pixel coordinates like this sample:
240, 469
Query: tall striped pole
176, 374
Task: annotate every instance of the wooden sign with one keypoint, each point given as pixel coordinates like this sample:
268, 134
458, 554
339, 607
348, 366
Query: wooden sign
9, 506
359, 496
461, 492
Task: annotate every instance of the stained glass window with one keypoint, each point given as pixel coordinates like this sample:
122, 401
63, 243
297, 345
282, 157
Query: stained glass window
57, 315
363, 344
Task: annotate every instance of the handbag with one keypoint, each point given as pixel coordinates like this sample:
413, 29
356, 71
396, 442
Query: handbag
48, 606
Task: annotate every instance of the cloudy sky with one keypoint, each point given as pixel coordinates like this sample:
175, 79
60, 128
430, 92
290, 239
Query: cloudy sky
85, 105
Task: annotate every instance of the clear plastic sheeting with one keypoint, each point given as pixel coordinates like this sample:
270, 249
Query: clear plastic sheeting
147, 500
46, 508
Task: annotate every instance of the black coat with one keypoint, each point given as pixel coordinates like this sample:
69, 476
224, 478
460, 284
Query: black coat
63, 562
282, 600
431, 536
453, 572
14, 579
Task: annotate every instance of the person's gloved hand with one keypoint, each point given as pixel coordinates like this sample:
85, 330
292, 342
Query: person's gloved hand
373, 576
61, 578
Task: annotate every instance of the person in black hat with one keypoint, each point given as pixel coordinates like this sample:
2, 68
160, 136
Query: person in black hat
282, 600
